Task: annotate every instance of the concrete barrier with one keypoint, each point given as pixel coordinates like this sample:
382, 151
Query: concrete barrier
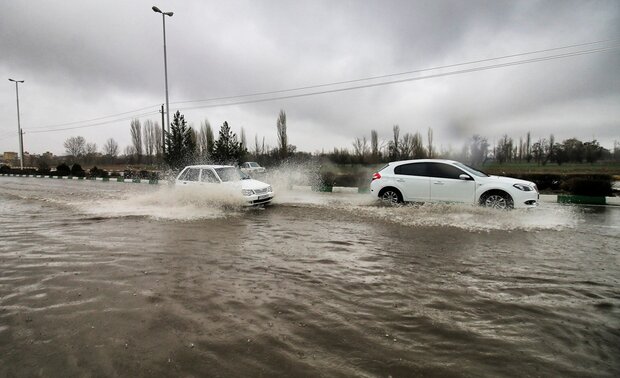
105, 179
344, 189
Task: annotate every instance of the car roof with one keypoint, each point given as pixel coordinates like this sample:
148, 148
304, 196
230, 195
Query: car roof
209, 166
423, 161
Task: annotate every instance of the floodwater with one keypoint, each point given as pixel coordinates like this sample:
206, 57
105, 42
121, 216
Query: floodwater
113, 279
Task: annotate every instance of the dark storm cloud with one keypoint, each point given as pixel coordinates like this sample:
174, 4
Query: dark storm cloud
95, 59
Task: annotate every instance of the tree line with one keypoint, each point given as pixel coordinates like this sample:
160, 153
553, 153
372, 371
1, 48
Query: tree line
184, 145
181, 145
475, 151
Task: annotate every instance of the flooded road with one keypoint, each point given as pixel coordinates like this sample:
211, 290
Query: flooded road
112, 279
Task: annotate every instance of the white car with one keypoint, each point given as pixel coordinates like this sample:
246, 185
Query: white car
251, 168
430, 180
254, 192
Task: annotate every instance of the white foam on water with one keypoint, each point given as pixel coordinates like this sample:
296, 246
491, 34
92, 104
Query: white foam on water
471, 217
169, 202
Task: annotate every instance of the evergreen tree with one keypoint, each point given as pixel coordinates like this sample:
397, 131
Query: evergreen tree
180, 143
227, 148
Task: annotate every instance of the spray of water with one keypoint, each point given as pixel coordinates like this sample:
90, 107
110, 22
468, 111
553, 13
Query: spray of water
191, 203
169, 202
469, 217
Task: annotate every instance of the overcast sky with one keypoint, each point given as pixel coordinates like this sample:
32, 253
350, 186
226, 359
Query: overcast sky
84, 60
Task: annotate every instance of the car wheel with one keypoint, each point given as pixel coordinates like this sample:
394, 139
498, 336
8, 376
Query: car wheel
497, 200
391, 197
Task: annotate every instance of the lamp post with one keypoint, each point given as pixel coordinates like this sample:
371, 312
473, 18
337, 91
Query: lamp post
163, 17
19, 128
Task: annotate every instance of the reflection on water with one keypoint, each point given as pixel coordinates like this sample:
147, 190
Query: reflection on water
135, 280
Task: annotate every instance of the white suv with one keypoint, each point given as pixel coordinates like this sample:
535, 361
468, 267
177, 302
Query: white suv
427, 180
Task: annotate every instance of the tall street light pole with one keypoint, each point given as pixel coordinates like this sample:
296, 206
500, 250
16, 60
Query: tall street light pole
163, 17
19, 128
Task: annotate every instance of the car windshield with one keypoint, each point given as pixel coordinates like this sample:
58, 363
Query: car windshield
471, 170
231, 174
254, 165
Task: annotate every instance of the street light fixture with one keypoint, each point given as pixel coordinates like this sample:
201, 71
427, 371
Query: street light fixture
163, 17
19, 128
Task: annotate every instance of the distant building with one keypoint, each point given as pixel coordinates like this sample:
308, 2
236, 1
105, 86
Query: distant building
10, 158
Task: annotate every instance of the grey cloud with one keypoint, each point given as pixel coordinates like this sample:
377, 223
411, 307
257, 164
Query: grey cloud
110, 55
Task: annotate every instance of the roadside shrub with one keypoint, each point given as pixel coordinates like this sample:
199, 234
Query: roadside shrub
43, 171
63, 170
587, 186
544, 181
5, 169
76, 170
326, 180
347, 180
96, 172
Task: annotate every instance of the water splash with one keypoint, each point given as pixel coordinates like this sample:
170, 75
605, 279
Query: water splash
172, 203
470, 217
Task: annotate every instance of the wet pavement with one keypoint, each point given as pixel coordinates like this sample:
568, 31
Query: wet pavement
112, 279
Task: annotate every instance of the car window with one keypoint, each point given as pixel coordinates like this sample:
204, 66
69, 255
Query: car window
254, 165
230, 174
208, 176
245, 165
412, 169
183, 175
442, 170
471, 170
191, 174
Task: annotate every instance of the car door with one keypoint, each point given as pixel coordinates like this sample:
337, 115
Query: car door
413, 181
447, 184
190, 178
208, 177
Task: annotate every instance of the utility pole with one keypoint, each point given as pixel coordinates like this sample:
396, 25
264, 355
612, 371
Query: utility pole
163, 130
19, 128
163, 19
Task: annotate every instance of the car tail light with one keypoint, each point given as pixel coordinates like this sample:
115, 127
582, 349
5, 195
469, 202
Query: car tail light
376, 176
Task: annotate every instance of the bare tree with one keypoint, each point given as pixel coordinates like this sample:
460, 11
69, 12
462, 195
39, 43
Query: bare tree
75, 146
282, 137
393, 146
550, 149
149, 138
158, 139
90, 152
431, 151
243, 140
504, 149
417, 146
374, 145
110, 148
130, 154
528, 147
256, 151
136, 137
361, 149
478, 150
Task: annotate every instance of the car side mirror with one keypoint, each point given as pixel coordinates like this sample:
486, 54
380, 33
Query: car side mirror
463, 176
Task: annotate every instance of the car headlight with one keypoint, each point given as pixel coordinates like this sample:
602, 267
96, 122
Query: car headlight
525, 188
269, 189
247, 192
